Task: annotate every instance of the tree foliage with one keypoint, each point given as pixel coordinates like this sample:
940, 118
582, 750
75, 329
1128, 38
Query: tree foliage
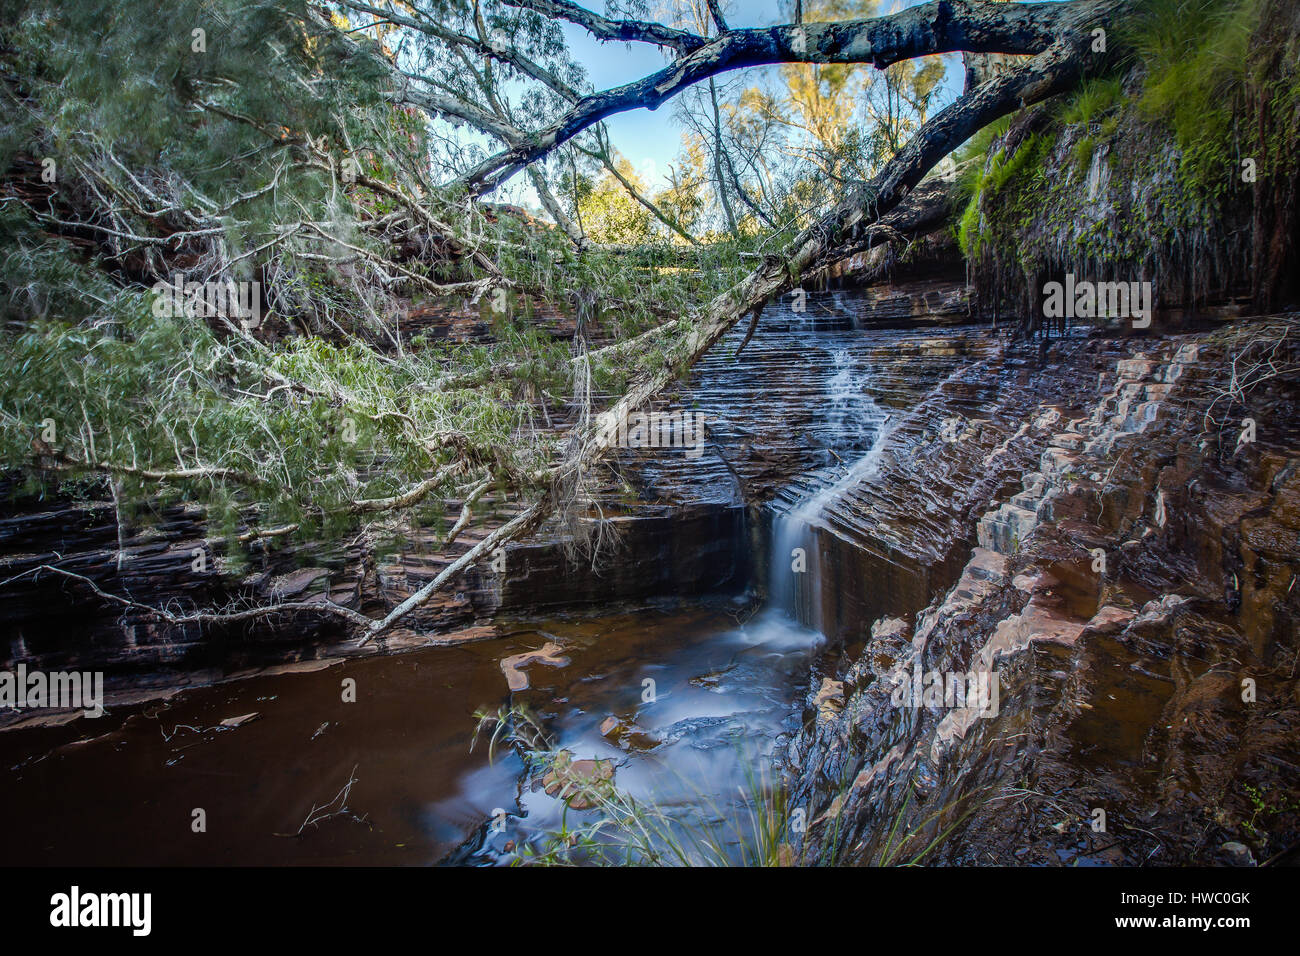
332, 159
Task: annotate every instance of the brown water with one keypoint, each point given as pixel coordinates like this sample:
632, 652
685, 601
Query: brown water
122, 789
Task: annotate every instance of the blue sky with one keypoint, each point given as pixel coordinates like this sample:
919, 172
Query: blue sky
646, 136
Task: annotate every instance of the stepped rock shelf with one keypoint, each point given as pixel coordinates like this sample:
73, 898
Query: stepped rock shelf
868, 503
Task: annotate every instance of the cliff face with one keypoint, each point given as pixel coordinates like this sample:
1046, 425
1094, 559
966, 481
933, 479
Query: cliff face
1133, 600
922, 283
1178, 170
896, 528
685, 543
1136, 600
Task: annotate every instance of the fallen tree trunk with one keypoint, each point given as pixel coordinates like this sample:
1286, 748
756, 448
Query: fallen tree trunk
856, 223
894, 202
929, 207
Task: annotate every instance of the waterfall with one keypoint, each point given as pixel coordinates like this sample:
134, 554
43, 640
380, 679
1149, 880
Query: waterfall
853, 424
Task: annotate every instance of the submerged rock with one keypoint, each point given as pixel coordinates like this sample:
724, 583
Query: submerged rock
513, 666
578, 782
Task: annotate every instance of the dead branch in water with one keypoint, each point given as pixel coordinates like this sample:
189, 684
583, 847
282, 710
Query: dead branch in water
318, 815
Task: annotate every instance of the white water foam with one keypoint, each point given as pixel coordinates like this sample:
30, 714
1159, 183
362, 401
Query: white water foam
853, 419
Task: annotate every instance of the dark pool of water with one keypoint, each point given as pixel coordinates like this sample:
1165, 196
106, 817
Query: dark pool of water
123, 789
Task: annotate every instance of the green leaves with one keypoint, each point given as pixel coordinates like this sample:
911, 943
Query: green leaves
219, 155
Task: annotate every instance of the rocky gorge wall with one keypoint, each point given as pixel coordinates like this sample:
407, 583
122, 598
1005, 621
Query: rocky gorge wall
888, 541
1174, 167
1135, 598
674, 522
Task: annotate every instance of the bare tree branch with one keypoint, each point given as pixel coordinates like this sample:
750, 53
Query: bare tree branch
716, 12
943, 26
1056, 69
603, 28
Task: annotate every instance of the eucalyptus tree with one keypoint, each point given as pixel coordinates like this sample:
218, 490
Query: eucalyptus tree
344, 158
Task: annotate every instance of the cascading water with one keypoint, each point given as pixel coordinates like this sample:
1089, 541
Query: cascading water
853, 424
723, 692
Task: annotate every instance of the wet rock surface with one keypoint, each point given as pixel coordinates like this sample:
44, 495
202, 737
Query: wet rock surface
893, 528
1078, 518
676, 520
1147, 709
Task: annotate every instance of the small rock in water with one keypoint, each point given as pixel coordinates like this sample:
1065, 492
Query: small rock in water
241, 719
573, 780
1238, 854
513, 665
